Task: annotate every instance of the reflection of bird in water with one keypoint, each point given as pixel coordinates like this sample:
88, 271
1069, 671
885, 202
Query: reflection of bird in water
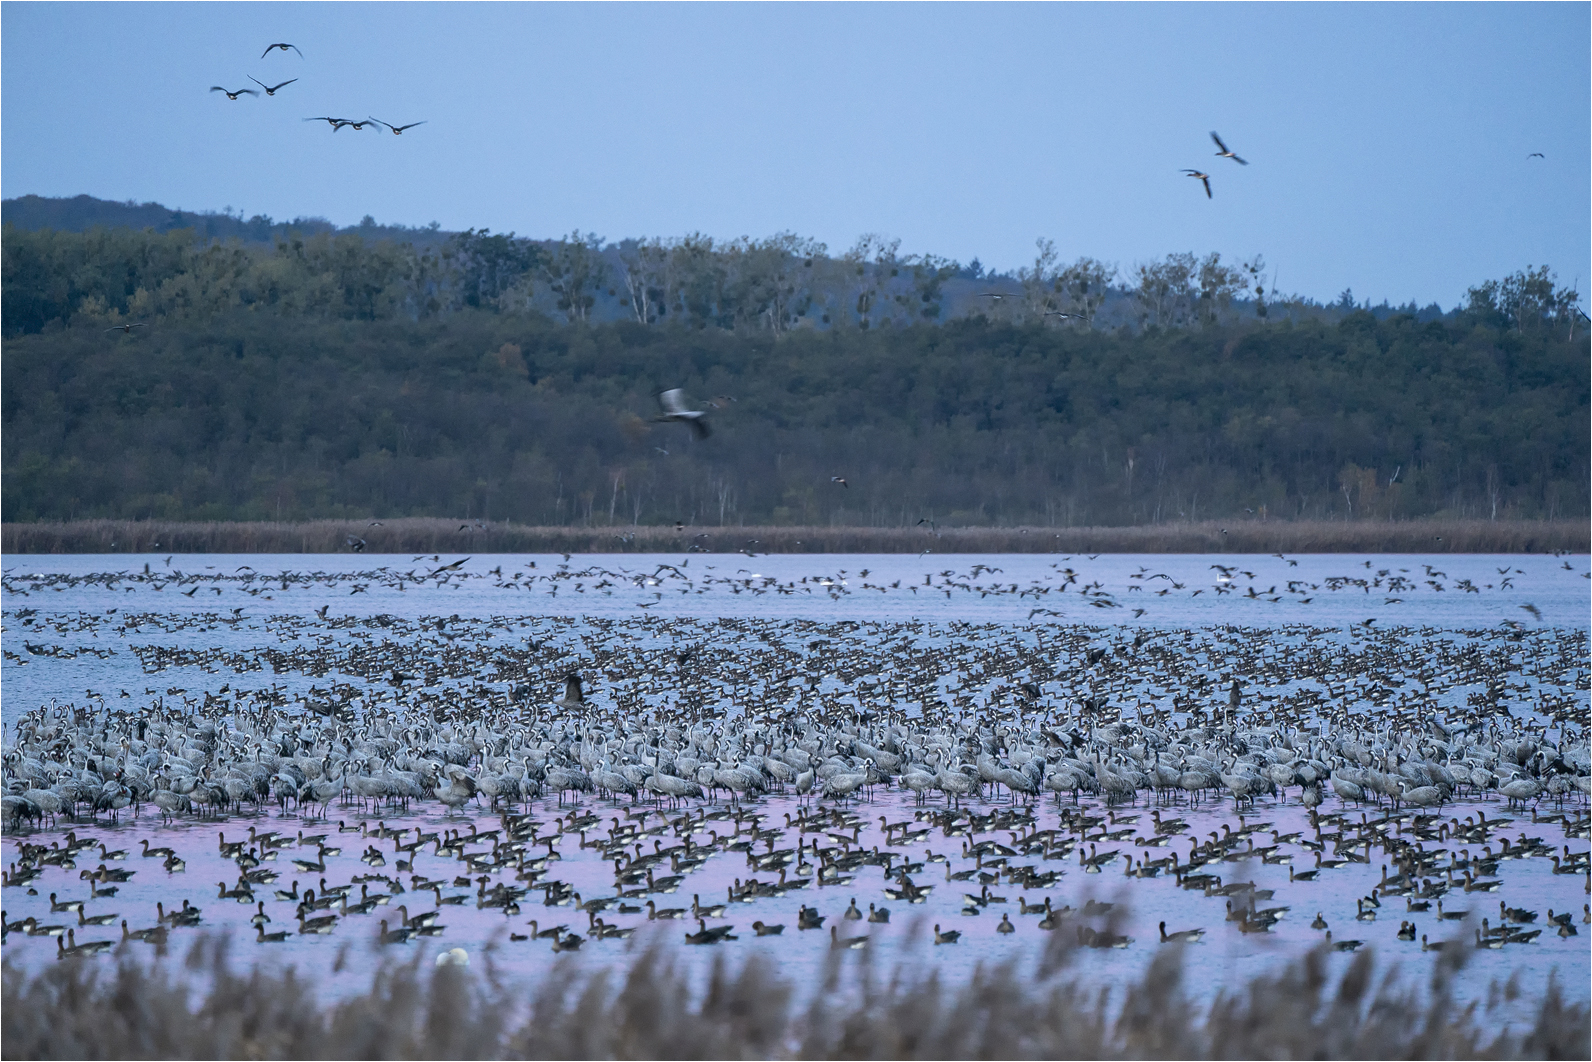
1222, 151
1536, 613
672, 404
1203, 178
453, 957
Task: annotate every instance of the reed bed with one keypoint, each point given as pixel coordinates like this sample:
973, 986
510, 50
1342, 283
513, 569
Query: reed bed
203, 1008
433, 535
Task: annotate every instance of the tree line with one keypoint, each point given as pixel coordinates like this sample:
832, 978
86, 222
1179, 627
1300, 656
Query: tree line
107, 276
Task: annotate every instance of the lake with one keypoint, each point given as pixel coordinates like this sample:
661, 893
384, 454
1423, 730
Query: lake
1129, 660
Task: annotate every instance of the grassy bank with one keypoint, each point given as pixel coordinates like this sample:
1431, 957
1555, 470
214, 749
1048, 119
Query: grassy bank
198, 1009
428, 535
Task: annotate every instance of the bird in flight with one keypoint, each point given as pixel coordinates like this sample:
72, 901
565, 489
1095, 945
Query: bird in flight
840, 480
280, 47
397, 130
672, 403
270, 90
1223, 152
126, 328
1203, 178
996, 295
233, 95
1537, 155
1058, 313
338, 123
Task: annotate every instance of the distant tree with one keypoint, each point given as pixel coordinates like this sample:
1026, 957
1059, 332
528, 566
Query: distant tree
1164, 290
1524, 300
646, 279
929, 274
574, 270
490, 264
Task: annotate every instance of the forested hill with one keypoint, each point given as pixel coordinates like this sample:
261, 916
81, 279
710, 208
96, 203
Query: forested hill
233, 410
84, 258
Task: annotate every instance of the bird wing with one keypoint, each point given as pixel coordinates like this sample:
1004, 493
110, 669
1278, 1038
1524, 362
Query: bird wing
411, 125
672, 401
1206, 181
1218, 140
257, 81
1240, 161
284, 84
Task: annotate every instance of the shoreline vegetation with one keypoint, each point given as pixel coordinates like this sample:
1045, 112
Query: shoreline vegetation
436, 535
202, 1008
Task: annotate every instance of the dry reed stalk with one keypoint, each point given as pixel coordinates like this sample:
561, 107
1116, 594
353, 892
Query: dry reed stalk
202, 1009
432, 535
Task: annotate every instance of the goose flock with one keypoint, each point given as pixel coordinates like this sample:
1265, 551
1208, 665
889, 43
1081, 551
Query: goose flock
417, 771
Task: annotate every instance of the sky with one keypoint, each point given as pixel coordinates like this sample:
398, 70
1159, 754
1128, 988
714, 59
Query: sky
1387, 144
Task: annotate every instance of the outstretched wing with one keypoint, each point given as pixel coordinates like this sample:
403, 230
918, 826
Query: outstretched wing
1206, 181
672, 402
1219, 145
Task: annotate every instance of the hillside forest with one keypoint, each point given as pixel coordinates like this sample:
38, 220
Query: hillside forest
176, 375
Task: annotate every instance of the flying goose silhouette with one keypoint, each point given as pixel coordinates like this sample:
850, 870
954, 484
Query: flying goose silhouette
270, 90
1222, 151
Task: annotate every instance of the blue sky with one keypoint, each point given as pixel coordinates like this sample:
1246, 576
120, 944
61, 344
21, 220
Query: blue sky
1387, 143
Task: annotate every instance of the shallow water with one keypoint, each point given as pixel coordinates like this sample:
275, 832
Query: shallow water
79, 624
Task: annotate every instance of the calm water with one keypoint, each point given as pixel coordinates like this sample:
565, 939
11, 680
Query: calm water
81, 628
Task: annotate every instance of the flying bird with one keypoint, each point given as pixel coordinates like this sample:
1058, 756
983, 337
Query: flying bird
270, 90
1537, 155
1058, 313
233, 95
996, 295
672, 402
280, 47
1223, 153
338, 123
1203, 178
126, 328
840, 480
397, 130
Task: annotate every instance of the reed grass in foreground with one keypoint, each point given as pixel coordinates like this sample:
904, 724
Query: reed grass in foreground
430, 535
86, 1009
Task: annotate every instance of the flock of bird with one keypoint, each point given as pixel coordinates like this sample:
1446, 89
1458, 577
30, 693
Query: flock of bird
337, 124
1067, 584
1222, 152
616, 762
